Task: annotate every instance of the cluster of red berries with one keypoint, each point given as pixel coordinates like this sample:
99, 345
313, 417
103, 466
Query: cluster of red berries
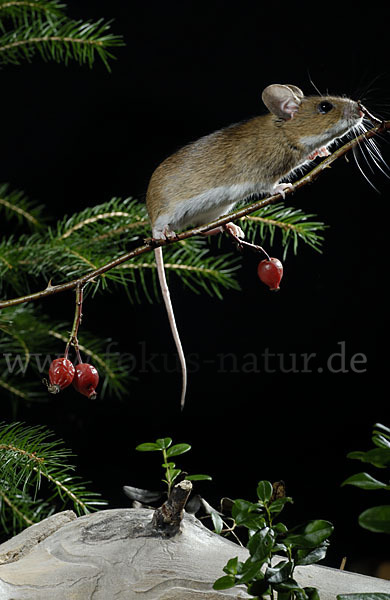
84, 377
270, 272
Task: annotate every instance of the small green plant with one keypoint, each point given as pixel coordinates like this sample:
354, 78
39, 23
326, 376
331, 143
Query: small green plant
302, 545
375, 519
164, 445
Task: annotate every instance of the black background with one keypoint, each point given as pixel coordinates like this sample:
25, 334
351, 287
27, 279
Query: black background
74, 137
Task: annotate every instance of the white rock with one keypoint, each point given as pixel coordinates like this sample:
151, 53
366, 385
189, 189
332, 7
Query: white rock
116, 554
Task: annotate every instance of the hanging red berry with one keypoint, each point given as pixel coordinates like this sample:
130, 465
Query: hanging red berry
61, 373
86, 379
270, 272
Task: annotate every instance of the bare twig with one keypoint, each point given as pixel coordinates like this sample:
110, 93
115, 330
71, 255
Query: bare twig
241, 243
73, 340
168, 517
239, 214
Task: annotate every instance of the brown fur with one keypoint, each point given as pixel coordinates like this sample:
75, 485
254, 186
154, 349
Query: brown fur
263, 149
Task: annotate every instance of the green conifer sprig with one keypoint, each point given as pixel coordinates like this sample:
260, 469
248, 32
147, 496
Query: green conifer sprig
21, 12
293, 224
32, 461
52, 35
14, 204
97, 235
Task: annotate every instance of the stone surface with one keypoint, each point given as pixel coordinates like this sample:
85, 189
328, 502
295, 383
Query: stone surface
117, 555
24, 542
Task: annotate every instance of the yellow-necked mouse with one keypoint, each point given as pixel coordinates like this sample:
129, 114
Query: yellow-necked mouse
206, 178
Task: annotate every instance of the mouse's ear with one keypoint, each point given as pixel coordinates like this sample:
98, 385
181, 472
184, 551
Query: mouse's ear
282, 100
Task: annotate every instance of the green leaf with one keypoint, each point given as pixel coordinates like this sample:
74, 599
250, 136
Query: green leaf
364, 596
217, 522
225, 582
310, 535
277, 505
308, 557
279, 547
376, 519
164, 443
366, 482
259, 588
280, 528
178, 449
231, 566
281, 572
253, 522
260, 544
312, 593
289, 585
382, 430
381, 441
250, 570
147, 447
379, 457
199, 477
173, 473
242, 509
264, 491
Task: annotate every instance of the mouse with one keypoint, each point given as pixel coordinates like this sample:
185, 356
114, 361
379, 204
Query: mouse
204, 179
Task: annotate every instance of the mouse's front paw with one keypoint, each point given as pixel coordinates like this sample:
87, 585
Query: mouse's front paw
320, 152
235, 230
280, 188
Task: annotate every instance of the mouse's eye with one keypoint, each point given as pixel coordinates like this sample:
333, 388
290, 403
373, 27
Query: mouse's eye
324, 107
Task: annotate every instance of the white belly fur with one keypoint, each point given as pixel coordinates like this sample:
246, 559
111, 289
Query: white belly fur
205, 207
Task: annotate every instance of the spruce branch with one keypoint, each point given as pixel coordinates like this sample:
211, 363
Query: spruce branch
236, 215
22, 12
14, 204
14, 391
293, 223
60, 40
90, 238
29, 456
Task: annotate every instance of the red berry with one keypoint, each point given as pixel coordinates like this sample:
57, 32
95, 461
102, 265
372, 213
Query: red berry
270, 272
61, 373
86, 379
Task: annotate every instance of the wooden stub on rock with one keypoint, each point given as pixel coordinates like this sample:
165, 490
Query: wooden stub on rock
168, 517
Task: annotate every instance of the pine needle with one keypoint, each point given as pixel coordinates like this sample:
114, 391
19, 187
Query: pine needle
30, 456
58, 39
293, 224
14, 204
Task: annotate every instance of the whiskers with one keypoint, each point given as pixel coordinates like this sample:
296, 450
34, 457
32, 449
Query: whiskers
368, 156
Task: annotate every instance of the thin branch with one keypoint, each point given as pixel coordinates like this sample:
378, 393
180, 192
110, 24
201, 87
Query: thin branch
93, 220
73, 340
19, 211
65, 489
96, 357
15, 508
13, 390
151, 244
31, 455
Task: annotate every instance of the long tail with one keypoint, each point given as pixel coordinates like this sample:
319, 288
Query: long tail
158, 253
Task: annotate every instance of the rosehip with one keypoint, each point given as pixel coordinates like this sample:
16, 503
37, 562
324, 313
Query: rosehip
61, 373
86, 379
270, 272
